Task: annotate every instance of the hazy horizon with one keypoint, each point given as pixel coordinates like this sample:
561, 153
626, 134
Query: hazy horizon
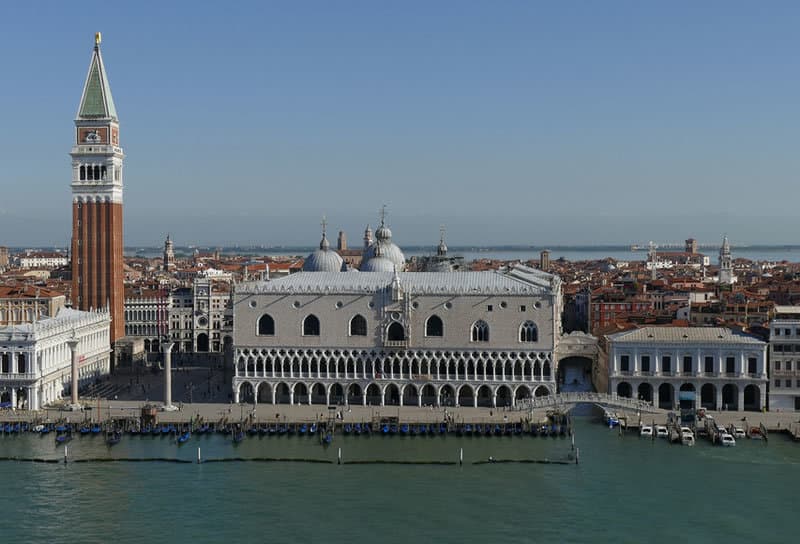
512, 124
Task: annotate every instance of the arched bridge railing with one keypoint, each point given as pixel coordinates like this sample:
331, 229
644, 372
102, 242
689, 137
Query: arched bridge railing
601, 399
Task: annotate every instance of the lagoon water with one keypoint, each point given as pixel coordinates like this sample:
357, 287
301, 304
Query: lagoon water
624, 490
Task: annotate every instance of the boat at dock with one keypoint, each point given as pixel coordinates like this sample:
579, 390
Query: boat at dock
184, 437
113, 437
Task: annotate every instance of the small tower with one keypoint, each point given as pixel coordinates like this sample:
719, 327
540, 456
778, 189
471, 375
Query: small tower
169, 255
441, 251
544, 260
691, 246
725, 263
341, 242
652, 260
367, 237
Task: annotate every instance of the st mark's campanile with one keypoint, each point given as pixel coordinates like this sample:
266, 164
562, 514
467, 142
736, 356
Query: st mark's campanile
97, 274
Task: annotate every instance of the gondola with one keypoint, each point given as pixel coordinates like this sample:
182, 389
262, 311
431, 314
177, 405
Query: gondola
313, 429
282, 429
304, 428
468, 429
183, 438
442, 428
478, 429
347, 428
45, 429
252, 431
404, 428
96, 429
156, 430
423, 429
63, 438
357, 428
327, 439
113, 437
61, 428
292, 429
393, 428
385, 428
85, 430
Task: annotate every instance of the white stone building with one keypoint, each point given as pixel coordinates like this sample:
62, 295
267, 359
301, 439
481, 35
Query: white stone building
397, 338
784, 357
42, 259
724, 369
35, 359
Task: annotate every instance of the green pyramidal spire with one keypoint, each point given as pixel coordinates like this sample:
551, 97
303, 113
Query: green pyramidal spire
96, 102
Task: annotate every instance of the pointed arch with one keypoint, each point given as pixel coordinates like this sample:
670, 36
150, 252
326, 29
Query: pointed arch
311, 325
358, 325
528, 332
266, 325
480, 331
434, 326
396, 332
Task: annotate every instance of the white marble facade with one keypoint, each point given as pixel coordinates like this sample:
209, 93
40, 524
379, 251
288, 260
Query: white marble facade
725, 370
397, 338
35, 360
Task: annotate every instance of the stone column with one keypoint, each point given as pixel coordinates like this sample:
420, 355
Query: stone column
73, 348
166, 346
719, 395
741, 387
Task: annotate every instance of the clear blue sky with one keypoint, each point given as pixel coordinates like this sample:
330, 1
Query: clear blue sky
510, 122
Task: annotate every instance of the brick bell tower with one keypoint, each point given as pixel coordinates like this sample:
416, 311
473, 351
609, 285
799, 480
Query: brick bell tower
97, 277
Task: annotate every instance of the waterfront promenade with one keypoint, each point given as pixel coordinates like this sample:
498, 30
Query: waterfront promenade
133, 391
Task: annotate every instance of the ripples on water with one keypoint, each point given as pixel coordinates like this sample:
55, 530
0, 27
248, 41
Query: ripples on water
624, 490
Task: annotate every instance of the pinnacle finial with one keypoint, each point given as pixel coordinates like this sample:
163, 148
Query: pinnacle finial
324, 224
383, 215
98, 37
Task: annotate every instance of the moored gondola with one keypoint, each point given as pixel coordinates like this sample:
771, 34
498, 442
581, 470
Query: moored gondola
184, 437
113, 437
313, 429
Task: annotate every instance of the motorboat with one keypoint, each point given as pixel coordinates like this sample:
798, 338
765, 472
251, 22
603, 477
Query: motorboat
646, 431
687, 436
727, 440
755, 433
738, 432
661, 431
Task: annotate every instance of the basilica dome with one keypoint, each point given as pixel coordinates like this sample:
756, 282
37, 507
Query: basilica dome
323, 259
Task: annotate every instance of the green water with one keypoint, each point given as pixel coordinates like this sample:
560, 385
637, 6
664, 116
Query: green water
623, 490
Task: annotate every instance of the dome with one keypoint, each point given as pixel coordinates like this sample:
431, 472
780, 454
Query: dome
385, 248
324, 259
378, 264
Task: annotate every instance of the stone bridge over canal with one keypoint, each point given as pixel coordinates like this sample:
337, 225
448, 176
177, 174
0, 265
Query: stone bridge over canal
567, 401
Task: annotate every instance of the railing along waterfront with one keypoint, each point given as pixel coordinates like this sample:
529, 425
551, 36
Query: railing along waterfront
555, 401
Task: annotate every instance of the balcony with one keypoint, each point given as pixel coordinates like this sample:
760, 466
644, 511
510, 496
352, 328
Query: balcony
395, 344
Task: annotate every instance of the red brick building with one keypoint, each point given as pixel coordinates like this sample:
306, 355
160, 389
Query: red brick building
97, 266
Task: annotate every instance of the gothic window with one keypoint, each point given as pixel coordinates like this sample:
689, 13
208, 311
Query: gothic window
266, 325
103, 172
96, 172
396, 332
83, 173
311, 326
89, 172
480, 331
358, 325
528, 332
434, 326
22, 368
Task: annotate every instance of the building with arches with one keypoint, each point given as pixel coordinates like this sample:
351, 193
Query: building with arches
397, 338
35, 358
725, 370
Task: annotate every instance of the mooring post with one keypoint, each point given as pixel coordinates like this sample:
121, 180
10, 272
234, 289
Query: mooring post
65, 454
573, 441
577, 455
461, 456
199, 459
339, 461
